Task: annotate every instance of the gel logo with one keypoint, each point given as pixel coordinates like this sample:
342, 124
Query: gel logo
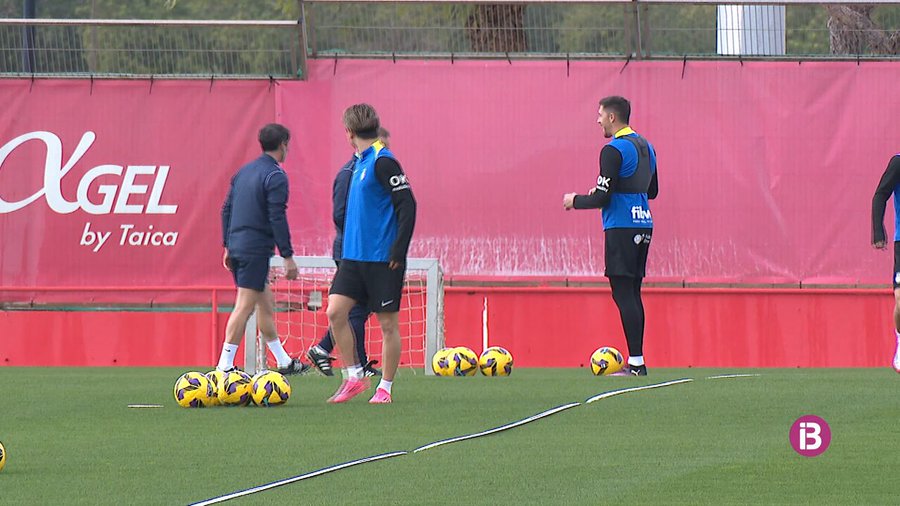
810, 436
115, 197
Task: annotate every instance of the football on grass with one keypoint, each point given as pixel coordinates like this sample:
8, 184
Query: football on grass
606, 360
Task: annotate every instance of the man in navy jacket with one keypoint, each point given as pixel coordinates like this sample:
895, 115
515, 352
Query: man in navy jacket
254, 221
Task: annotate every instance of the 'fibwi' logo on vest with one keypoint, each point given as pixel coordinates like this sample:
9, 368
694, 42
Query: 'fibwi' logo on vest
639, 213
114, 198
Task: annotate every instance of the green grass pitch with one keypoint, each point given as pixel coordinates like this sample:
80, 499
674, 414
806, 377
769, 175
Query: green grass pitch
71, 440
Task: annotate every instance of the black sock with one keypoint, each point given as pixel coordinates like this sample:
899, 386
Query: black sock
626, 292
327, 342
358, 316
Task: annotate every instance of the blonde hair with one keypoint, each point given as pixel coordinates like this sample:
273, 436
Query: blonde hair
362, 120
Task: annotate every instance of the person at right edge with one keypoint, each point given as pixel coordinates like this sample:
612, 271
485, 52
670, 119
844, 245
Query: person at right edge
889, 185
626, 183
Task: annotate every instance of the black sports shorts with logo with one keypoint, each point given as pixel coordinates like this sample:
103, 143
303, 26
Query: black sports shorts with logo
371, 284
626, 250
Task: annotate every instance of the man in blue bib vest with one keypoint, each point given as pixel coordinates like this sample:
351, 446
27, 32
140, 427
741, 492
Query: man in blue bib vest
889, 185
626, 183
320, 354
378, 227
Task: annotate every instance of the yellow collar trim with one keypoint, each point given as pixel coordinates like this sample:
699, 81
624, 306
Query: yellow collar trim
625, 131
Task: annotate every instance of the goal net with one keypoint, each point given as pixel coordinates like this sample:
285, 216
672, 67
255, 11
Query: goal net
301, 321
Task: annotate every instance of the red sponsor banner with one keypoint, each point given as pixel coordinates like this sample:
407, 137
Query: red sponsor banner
120, 183
766, 169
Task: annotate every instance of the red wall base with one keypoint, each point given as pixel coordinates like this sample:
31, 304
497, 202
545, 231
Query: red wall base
541, 326
50, 338
561, 327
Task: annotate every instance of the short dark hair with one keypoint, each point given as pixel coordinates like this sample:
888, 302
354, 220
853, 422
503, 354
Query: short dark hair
620, 106
362, 120
272, 135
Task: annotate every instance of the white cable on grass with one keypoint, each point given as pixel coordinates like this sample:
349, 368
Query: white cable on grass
313, 474
726, 376
500, 428
621, 391
374, 458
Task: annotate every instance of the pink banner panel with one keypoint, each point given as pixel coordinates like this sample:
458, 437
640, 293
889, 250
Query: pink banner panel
766, 169
120, 183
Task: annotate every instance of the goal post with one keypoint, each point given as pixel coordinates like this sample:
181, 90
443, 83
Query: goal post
301, 322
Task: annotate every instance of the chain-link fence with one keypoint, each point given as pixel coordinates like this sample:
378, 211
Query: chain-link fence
462, 29
604, 29
222, 48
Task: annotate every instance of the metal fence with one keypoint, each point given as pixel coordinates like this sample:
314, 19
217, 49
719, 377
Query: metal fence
141, 47
603, 29
450, 29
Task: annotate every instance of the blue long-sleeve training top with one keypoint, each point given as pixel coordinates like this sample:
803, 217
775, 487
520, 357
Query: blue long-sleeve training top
254, 218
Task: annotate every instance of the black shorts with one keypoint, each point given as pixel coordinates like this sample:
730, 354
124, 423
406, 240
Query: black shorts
896, 264
626, 250
250, 271
371, 284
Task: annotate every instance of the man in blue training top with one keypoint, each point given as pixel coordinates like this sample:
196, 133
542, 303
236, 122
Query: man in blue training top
253, 223
379, 222
889, 185
320, 354
627, 181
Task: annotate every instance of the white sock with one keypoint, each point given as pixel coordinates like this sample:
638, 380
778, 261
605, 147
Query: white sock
896, 362
281, 356
386, 385
354, 372
636, 361
226, 359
